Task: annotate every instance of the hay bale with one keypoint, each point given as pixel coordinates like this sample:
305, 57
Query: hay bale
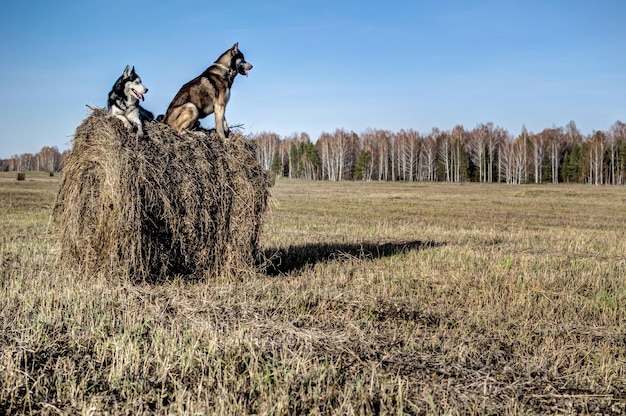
167, 204
21, 176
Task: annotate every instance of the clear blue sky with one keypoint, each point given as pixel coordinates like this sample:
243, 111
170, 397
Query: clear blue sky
319, 65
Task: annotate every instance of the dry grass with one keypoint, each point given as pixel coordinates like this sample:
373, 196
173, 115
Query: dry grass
382, 298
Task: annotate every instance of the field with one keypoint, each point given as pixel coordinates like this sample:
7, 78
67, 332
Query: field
378, 298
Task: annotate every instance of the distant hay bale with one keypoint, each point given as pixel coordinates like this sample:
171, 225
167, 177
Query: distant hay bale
167, 204
21, 176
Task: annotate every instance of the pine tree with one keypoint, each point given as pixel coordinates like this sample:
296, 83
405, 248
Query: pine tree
360, 168
566, 169
277, 165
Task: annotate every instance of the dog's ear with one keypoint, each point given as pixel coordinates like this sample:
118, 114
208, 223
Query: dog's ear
127, 71
235, 48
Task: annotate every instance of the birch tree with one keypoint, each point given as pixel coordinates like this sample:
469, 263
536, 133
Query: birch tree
596, 157
553, 138
539, 150
446, 154
408, 142
428, 157
370, 143
266, 148
506, 161
617, 135
337, 153
458, 136
477, 145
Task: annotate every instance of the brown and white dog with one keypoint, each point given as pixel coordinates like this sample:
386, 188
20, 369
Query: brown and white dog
207, 93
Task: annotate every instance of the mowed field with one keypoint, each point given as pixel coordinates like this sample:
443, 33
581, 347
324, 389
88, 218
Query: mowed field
377, 298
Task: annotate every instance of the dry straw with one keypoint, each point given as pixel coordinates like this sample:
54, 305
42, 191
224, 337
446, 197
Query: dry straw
164, 205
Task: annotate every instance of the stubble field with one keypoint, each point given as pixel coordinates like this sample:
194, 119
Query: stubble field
378, 298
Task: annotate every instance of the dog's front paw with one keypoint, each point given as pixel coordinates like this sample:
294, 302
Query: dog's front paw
125, 122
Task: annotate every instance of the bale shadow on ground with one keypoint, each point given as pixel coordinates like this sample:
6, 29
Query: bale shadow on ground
295, 258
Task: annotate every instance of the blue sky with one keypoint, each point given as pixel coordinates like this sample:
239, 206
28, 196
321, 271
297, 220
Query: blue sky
319, 65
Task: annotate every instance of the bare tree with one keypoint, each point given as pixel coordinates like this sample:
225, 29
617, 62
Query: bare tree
458, 135
446, 154
284, 147
597, 145
371, 143
539, 151
25, 162
617, 135
512, 159
337, 153
506, 161
428, 157
494, 138
522, 155
14, 163
266, 148
553, 138
408, 145
384, 154
477, 146
48, 159
392, 139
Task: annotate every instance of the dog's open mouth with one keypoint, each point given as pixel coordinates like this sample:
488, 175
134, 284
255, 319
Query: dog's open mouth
138, 94
243, 68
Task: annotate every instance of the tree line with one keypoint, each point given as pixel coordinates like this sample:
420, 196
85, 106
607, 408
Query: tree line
48, 159
486, 153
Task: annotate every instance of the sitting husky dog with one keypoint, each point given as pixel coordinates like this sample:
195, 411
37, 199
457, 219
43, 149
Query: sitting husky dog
123, 101
208, 93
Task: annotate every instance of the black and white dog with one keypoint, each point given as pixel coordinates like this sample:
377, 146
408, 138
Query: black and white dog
124, 101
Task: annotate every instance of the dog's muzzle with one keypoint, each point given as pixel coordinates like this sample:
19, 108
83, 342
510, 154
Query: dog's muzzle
244, 68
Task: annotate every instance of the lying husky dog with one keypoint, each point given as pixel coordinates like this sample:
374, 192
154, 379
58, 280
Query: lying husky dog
124, 101
208, 93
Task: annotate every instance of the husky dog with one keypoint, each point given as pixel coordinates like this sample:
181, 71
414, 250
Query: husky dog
208, 93
123, 101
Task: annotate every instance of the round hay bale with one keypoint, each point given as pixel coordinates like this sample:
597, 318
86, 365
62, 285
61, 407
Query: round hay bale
167, 204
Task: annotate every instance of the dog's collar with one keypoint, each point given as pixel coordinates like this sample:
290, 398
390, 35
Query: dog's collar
224, 67
231, 73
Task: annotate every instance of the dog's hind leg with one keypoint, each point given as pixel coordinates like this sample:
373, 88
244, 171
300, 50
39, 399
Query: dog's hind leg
183, 117
220, 120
